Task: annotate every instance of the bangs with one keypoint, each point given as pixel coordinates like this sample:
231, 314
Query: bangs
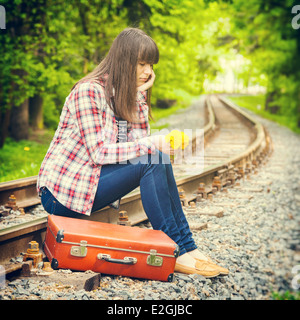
148, 52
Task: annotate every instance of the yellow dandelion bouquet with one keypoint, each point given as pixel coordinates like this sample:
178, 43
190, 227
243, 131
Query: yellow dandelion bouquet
178, 140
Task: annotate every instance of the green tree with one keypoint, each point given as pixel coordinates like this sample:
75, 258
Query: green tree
263, 33
47, 46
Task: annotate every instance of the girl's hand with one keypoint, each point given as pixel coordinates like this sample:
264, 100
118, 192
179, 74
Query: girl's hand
160, 143
148, 84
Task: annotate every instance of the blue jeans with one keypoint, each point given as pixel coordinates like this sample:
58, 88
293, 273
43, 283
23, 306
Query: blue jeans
159, 195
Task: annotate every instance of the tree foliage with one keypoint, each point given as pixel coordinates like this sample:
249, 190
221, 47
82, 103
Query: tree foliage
263, 32
48, 45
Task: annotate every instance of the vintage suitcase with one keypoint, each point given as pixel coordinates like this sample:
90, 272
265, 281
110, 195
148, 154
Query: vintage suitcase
110, 249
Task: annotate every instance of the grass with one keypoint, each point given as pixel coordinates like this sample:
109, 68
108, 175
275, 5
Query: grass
23, 159
286, 295
255, 103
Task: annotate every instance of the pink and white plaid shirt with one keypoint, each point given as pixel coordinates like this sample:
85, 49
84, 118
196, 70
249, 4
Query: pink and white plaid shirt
84, 141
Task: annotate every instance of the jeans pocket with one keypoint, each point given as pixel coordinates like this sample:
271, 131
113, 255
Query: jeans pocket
46, 202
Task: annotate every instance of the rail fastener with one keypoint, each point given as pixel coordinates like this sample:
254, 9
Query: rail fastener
210, 197
201, 190
33, 253
241, 171
217, 183
47, 267
182, 197
231, 178
123, 219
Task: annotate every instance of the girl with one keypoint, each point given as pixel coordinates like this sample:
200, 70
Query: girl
88, 167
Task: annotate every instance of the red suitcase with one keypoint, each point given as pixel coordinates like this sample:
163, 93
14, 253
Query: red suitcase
110, 249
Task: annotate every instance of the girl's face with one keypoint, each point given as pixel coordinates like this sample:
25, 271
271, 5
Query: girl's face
143, 73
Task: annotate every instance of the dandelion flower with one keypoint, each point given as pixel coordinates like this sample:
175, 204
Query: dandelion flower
177, 139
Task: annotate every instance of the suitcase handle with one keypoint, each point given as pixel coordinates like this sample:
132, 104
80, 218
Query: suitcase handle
126, 260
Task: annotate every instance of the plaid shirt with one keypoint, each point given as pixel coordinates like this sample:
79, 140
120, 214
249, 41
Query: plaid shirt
84, 141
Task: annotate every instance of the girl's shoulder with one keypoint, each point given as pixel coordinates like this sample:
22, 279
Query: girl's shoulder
85, 89
93, 88
91, 83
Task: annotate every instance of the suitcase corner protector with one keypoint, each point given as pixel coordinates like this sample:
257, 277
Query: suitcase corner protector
60, 236
176, 251
170, 277
54, 264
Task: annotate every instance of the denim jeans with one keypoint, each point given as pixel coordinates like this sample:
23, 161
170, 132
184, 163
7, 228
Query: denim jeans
159, 195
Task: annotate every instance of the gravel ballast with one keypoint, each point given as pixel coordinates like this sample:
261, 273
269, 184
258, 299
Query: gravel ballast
257, 239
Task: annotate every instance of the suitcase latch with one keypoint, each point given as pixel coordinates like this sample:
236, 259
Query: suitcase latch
79, 251
154, 260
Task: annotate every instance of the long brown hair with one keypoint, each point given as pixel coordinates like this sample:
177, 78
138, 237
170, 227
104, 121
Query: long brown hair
118, 70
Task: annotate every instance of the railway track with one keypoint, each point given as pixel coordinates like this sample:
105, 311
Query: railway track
235, 144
